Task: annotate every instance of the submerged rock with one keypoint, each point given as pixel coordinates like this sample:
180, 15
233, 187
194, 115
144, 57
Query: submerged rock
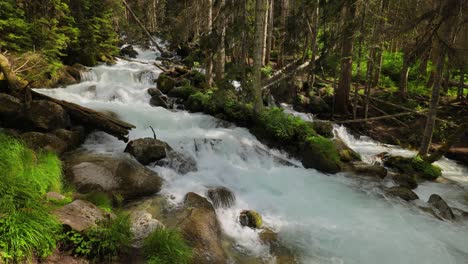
221, 197
116, 174
370, 170
282, 254
402, 193
129, 51
405, 181
147, 150
413, 166
201, 229
441, 207
178, 161
250, 219
80, 215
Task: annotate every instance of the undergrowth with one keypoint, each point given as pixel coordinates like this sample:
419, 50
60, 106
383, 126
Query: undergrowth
26, 227
166, 246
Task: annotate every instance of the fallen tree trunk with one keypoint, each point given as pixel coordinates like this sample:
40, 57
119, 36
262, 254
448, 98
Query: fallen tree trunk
373, 118
453, 139
8, 74
286, 75
91, 118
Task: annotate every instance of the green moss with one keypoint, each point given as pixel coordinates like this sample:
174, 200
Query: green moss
325, 148
101, 200
257, 218
102, 243
284, 127
414, 166
165, 83
26, 227
166, 246
198, 101
183, 92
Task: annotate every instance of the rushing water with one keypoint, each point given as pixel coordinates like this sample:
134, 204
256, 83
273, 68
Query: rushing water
326, 219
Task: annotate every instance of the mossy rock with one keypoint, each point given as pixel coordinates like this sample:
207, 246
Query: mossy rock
197, 102
165, 83
414, 166
345, 152
324, 129
250, 219
183, 92
321, 154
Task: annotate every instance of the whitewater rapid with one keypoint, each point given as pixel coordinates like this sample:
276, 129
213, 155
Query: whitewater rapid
325, 219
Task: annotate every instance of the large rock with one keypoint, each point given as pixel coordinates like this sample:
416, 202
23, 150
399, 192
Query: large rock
201, 228
48, 142
313, 157
405, 180
282, 254
179, 162
48, 115
402, 193
116, 174
80, 215
346, 153
142, 225
129, 51
165, 83
11, 114
158, 98
147, 150
441, 207
73, 137
221, 197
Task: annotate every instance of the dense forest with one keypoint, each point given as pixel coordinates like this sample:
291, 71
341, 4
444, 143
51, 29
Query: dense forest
307, 79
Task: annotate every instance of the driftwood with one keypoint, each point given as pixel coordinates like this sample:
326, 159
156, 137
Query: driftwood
91, 118
142, 26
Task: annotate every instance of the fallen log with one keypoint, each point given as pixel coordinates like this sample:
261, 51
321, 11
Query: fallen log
90, 118
287, 75
372, 118
8, 74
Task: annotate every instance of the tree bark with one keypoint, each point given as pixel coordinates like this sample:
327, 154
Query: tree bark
315, 30
435, 96
260, 10
347, 44
461, 85
9, 75
403, 89
282, 28
269, 44
209, 28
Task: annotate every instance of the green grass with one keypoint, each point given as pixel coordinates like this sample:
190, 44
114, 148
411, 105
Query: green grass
166, 246
26, 227
101, 200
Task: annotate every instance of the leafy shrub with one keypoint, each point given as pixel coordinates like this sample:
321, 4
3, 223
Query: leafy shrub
102, 243
284, 127
26, 228
166, 246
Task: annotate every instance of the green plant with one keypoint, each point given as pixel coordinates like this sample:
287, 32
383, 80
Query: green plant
102, 243
26, 227
166, 246
101, 200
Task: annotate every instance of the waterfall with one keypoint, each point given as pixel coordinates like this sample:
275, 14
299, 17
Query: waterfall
325, 219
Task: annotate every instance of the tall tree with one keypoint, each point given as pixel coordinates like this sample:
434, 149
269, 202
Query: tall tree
260, 11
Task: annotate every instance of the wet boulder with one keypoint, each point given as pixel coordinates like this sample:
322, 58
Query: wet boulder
413, 166
200, 227
180, 162
73, 137
10, 109
147, 150
320, 154
323, 128
405, 181
441, 207
48, 116
80, 215
282, 254
346, 153
250, 219
402, 193
376, 171
221, 197
129, 51
158, 98
165, 83
115, 174
44, 141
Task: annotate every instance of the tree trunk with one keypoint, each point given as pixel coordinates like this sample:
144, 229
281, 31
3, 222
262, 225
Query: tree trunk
347, 45
461, 85
209, 28
315, 28
260, 11
282, 28
9, 75
269, 44
403, 89
220, 58
435, 96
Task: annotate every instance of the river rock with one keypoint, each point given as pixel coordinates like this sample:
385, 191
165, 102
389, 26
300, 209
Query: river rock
441, 207
370, 170
405, 180
201, 229
80, 215
221, 197
180, 162
142, 225
346, 153
282, 254
402, 192
323, 128
129, 51
250, 219
313, 158
10, 109
73, 137
165, 83
48, 142
116, 174
147, 150
48, 116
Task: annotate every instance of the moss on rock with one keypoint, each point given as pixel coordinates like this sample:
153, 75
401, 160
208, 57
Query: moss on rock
414, 166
